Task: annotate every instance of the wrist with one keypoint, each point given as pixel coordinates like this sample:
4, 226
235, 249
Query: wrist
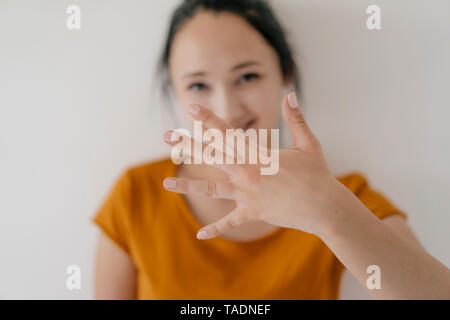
343, 213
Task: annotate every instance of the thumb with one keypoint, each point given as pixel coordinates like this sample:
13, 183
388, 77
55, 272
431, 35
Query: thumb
302, 136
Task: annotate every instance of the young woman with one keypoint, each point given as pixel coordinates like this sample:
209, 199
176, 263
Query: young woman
283, 236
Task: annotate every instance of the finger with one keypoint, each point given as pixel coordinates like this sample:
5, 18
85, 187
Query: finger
211, 121
173, 138
211, 189
232, 220
302, 136
170, 139
186, 144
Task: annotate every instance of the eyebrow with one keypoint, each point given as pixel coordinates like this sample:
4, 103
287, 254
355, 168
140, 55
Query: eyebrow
235, 68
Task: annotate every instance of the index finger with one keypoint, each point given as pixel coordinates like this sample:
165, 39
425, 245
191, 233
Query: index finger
208, 119
211, 121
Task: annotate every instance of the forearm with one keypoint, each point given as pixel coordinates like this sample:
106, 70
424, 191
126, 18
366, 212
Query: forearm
359, 239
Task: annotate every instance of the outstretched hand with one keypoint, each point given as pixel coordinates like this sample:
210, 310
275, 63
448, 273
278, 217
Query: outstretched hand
302, 194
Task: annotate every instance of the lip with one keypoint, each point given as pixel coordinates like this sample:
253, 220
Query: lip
248, 124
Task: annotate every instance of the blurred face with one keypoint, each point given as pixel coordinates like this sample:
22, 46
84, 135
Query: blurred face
222, 63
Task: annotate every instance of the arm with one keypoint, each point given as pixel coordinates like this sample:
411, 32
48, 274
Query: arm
115, 273
407, 270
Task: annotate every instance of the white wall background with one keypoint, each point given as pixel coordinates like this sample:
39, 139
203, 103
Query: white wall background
76, 108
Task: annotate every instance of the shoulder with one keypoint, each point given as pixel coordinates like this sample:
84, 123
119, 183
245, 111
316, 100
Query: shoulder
131, 203
148, 177
145, 182
154, 170
373, 199
354, 181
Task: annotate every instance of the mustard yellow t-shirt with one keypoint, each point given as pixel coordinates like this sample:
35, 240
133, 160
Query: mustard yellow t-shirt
158, 231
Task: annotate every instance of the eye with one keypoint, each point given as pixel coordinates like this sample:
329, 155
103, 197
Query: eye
197, 86
249, 77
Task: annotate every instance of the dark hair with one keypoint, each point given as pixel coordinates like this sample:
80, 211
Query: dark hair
257, 13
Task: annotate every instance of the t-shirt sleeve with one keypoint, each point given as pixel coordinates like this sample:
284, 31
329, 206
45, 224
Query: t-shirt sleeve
113, 216
376, 202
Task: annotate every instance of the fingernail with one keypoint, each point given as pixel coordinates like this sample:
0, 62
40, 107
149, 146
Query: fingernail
168, 135
193, 109
201, 235
174, 136
170, 183
292, 99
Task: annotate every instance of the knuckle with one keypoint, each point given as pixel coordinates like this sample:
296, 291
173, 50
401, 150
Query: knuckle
244, 218
214, 230
210, 189
298, 118
231, 222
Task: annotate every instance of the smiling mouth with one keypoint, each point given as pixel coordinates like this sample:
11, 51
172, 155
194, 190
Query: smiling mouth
249, 124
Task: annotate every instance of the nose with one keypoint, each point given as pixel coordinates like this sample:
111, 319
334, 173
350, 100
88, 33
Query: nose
227, 105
